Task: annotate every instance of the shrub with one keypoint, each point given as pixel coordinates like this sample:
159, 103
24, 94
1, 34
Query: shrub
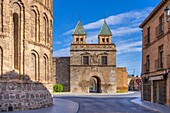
58, 88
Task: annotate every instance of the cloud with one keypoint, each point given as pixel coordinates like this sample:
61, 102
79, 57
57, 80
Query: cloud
125, 28
62, 52
133, 18
127, 47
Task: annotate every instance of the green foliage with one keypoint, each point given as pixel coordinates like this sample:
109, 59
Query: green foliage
58, 88
121, 91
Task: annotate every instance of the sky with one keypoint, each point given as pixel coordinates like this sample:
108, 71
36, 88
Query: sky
122, 16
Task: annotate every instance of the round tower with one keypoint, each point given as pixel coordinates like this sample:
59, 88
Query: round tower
26, 47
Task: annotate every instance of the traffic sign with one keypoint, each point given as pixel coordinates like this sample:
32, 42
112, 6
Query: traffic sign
138, 81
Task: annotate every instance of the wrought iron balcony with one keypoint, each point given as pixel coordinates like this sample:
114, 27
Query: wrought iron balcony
160, 29
159, 63
146, 68
146, 40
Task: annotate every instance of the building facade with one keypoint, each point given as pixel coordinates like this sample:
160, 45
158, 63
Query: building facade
156, 56
93, 66
26, 42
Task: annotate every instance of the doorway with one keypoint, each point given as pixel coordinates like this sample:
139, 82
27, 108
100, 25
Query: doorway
95, 85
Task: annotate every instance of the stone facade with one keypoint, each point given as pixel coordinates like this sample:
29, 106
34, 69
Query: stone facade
156, 56
82, 73
26, 40
122, 79
92, 66
62, 72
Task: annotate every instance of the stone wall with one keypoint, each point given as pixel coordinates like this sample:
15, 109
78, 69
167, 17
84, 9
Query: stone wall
122, 79
20, 93
26, 49
62, 72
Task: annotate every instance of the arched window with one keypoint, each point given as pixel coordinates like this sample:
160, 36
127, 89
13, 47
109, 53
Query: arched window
1, 15
51, 31
1, 61
46, 29
47, 35
16, 40
34, 65
34, 25
46, 68
16, 34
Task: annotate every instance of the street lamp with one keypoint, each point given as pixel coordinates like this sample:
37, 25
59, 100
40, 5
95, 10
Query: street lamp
167, 13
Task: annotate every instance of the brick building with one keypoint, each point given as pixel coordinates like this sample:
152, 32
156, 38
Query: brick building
156, 55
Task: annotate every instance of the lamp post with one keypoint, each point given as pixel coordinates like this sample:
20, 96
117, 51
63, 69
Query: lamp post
167, 13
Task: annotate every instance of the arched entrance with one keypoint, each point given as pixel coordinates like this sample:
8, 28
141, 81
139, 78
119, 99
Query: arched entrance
95, 85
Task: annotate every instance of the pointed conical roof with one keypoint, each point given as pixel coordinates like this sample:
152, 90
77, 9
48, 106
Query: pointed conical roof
79, 30
105, 30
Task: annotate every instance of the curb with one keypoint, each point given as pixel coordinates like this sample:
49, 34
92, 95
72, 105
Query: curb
150, 108
86, 94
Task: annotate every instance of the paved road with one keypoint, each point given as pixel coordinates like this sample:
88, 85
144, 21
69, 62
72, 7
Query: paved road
107, 104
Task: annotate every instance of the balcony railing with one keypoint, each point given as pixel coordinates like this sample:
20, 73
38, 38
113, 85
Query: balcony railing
168, 61
159, 29
146, 68
146, 40
159, 63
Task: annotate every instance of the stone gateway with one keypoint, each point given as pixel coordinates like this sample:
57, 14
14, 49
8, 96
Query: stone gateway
93, 66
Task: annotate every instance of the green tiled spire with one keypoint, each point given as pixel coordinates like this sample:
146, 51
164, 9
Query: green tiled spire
105, 30
79, 30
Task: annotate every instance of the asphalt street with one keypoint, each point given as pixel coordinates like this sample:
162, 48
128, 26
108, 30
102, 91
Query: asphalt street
107, 104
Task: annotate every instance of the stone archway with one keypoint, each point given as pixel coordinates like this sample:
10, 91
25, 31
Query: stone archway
98, 77
95, 85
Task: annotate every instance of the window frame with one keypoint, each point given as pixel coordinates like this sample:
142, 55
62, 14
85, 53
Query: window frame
88, 60
104, 61
161, 56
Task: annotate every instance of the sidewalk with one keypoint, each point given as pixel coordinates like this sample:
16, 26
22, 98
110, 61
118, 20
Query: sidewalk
59, 106
64, 94
152, 106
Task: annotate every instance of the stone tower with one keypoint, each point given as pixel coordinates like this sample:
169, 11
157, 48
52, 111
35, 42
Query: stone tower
26, 40
93, 66
79, 34
105, 35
